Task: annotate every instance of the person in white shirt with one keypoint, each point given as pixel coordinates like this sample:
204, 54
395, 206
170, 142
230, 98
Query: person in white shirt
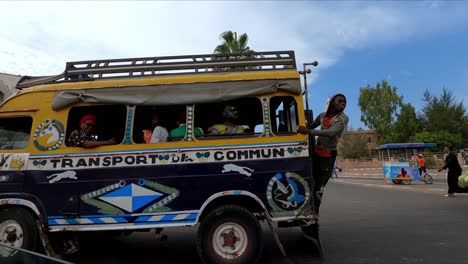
160, 133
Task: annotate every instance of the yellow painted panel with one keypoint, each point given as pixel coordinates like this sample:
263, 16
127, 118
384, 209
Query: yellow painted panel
39, 99
189, 78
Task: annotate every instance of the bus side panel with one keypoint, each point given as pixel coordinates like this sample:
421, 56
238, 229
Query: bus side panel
147, 190
11, 182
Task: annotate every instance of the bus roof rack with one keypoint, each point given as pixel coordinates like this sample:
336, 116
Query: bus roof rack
155, 66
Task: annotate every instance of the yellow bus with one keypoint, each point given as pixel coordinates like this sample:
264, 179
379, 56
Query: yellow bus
152, 143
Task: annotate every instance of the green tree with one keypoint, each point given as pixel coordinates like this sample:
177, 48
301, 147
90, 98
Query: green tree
379, 107
353, 145
407, 125
441, 138
232, 44
444, 113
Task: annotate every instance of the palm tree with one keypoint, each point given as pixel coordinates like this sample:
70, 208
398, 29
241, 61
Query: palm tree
232, 44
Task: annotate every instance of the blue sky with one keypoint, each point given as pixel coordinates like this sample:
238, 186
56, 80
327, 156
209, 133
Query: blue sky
429, 62
415, 45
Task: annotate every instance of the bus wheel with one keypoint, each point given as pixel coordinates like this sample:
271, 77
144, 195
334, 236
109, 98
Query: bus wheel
17, 229
230, 234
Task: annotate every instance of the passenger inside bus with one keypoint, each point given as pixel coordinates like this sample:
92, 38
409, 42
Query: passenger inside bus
160, 133
179, 132
230, 115
83, 138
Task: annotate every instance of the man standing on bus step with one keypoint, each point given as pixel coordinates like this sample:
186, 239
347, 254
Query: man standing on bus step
332, 122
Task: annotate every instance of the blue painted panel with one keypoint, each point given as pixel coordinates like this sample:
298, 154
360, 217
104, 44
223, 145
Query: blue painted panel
140, 201
183, 187
124, 191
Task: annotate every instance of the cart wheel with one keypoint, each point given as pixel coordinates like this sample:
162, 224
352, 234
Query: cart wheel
230, 234
396, 181
406, 182
428, 179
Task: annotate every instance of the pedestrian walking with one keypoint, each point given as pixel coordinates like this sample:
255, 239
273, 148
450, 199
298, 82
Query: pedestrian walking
335, 171
454, 171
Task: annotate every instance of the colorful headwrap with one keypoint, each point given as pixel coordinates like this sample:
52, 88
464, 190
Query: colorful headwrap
230, 112
87, 117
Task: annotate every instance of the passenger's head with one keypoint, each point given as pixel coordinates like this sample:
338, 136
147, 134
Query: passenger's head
87, 123
403, 171
230, 112
182, 118
155, 119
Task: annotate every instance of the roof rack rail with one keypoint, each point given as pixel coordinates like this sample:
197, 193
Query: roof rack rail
154, 66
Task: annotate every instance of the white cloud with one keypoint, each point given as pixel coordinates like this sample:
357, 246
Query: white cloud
37, 38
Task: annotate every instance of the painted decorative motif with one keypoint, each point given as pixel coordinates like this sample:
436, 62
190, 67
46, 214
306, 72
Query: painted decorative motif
189, 134
128, 130
164, 158
49, 135
234, 168
3, 159
266, 118
120, 198
63, 175
13, 161
203, 156
295, 151
287, 194
160, 206
161, 219
39, 163
73, 162
18, 161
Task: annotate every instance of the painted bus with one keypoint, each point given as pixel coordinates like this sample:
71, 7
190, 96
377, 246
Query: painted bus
224, 183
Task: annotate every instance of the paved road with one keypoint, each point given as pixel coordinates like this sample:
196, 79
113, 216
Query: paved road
374, 178
359, 225
376, 225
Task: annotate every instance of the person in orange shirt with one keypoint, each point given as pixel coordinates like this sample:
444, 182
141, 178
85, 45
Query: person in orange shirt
421, 164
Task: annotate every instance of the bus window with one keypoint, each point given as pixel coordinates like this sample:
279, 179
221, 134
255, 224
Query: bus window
234, 118
168, 119
283, 113
14, 132
110, 121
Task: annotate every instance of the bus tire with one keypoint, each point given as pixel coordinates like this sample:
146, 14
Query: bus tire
18, 229
230, 234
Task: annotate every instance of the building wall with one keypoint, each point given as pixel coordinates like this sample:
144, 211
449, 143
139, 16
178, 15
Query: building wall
368, 135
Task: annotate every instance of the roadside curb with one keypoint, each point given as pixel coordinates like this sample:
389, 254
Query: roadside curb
391, 187
380, 168
375, 176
